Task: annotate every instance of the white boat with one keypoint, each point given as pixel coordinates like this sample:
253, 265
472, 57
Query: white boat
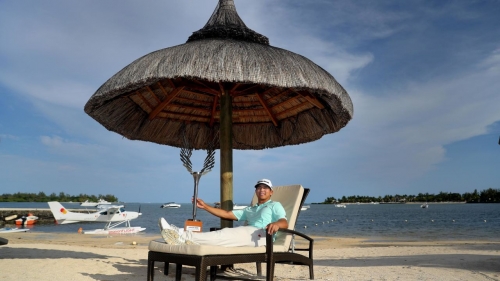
238, 207
94, 204
340, 205
303, 208
235, 206
425, 206
10, 230
171, 205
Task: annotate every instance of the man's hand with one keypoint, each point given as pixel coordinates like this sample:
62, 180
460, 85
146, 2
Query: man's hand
272, 227
199, 203
275, 226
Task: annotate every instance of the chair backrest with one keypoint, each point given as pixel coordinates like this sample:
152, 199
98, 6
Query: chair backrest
291, 197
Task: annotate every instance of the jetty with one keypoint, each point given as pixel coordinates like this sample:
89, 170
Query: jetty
44, 214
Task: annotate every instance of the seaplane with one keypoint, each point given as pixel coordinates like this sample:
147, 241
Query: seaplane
112, 215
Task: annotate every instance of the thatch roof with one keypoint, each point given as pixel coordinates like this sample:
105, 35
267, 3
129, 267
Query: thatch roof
225, 23
278, 97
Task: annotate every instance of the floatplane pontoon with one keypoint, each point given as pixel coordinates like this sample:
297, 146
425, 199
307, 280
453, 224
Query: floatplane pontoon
113, 215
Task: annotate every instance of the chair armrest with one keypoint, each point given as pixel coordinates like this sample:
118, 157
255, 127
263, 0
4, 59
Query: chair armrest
286, 230
269, 242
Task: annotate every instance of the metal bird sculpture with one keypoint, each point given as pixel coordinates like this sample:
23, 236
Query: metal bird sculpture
208, 165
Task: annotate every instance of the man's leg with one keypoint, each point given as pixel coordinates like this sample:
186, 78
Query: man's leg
229, 237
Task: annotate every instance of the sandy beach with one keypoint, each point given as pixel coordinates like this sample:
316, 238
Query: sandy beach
63, 256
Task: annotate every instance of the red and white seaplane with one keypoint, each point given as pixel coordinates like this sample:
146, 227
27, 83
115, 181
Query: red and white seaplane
113, 215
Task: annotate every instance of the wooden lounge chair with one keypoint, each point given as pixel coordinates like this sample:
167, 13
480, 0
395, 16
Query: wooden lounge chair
202, 256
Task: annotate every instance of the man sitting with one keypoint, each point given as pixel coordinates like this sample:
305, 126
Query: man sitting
265, 216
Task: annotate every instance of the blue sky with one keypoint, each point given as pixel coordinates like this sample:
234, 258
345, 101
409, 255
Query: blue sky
424, 77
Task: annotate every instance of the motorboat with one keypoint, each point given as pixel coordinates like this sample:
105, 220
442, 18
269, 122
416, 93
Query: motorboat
425, 206
235, 206
340, 205
238, 207
10, 230
303, 208
171, 205
95, 204
27, 220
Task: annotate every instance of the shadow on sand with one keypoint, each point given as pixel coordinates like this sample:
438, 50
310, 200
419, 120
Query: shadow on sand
470, 262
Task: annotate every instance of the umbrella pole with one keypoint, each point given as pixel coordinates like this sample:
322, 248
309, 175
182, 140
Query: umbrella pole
196, 177
226, 156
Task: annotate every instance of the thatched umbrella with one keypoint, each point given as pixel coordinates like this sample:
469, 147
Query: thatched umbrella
226, 78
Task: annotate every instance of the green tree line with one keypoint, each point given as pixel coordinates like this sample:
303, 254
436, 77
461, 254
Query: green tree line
489, 195
61, 197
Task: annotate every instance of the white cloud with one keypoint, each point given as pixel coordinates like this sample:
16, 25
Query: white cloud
57, 60
492, 63
51, 141
401, 135
9, 137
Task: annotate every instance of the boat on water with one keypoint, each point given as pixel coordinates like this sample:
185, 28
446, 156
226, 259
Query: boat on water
27, 220
10, 230
303, 208
95, 204
340, 205
238, 207
425, 206
235, 206
171, 205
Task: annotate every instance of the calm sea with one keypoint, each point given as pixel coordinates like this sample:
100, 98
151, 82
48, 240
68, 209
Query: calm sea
401, 222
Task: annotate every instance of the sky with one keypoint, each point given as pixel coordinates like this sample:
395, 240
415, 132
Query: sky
424, 78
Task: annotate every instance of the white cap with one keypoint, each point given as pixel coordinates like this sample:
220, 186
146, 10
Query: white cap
266, 182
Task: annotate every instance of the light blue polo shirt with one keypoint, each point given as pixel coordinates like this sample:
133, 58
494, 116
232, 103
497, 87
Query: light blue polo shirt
261, 215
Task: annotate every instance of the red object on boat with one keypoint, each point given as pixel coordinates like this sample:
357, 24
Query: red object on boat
27, 220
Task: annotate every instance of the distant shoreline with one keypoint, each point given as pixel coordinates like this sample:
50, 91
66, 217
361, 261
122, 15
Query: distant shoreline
396, 203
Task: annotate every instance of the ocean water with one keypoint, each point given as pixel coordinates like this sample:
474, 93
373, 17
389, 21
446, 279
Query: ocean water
394, 222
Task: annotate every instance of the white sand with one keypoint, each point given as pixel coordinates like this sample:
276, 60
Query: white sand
55, 256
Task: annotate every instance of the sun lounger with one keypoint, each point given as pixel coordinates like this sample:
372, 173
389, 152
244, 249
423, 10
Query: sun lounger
202, 256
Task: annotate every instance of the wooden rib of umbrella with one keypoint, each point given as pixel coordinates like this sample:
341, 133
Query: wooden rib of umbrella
182, 100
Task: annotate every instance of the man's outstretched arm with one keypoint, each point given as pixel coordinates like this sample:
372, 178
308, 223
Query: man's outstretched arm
223, 214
